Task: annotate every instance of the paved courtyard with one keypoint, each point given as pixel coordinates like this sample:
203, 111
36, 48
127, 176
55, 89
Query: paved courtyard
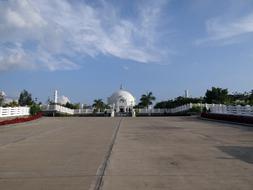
125, 154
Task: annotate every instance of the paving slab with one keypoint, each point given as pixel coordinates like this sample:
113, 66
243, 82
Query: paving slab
53, 153
147, 153
180, 153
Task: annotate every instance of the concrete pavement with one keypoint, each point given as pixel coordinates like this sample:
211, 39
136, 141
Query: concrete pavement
53, 153
179, 153
146, 153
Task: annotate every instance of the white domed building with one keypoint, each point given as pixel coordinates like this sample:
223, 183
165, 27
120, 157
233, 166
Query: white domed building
121, 101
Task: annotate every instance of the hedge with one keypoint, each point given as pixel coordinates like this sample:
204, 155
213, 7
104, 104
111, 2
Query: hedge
20, 120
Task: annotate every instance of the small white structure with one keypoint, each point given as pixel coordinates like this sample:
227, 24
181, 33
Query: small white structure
2, 97
2, 93
121, 101
60, 99
6, 99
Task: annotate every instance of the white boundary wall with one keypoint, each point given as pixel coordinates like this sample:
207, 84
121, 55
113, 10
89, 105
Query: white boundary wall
89, 111
232, 110
14, 111
214, 108
172, 110
58, 108
62, 109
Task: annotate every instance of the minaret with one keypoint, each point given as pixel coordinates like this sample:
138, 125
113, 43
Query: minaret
186, 94
121, 87
55, 96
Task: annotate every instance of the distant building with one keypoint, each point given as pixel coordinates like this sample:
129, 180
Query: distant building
121, 101
2, 93
60, 99
63, 100
6, 99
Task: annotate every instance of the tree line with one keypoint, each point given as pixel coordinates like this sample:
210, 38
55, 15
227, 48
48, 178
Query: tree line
215, 95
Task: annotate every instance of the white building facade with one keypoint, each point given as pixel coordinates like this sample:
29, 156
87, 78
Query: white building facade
121, 101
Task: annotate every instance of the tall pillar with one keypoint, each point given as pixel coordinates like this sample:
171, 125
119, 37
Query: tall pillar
55, 96
186, 94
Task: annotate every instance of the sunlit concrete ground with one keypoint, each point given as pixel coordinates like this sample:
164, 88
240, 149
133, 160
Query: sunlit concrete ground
148, 153
53, 153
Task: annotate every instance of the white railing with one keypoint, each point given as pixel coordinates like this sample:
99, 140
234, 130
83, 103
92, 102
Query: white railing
14, 111
181, 108
233, 110
164, 111
214, 108
83, 111
58, 108
90, 111
62, 109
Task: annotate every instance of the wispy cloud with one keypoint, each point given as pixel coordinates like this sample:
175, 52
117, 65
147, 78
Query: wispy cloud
227, 31
49, 34
12, 57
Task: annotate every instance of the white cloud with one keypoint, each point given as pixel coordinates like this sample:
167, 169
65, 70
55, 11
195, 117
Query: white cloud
22, 14
54, 63
13, 57
227, 31
52, 33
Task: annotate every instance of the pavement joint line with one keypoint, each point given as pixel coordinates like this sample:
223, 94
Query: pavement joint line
97, 184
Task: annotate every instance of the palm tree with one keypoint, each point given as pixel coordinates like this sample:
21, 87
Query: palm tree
147, 99
99, 105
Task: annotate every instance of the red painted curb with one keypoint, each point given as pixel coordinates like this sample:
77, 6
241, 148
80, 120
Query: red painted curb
20, 120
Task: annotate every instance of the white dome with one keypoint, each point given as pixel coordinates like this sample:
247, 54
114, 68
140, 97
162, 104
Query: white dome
63, 100
121, 97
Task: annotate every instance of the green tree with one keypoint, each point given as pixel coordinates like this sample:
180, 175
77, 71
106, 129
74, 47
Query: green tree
250, 99
12, 104
147, 99
34, 109
1, 99
216, 96
179, 101
162, 104
72, 106
99, 105
25, 98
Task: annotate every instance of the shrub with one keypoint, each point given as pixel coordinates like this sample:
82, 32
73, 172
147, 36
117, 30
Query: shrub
195, 109
34, 109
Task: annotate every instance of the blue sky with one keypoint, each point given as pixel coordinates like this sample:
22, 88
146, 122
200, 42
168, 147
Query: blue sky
86, 48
